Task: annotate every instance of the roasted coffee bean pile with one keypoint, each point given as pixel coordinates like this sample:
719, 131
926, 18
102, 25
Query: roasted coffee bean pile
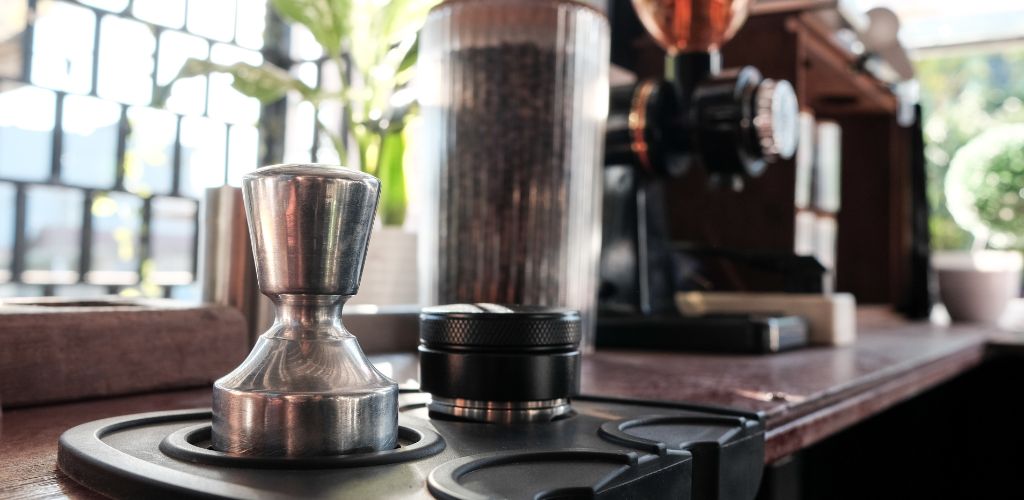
507, 184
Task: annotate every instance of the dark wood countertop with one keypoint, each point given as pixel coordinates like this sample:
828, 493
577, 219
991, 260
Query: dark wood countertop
804, 395
28, 440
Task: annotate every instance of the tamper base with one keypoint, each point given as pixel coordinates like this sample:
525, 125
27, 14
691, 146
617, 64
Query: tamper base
253, 419
306, 389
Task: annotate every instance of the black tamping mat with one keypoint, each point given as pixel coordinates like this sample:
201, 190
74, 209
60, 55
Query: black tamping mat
605, 449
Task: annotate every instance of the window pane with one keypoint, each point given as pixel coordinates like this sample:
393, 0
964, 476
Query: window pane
142, 290
188, 293
330, 113
187, 96
226, 103
53, 218
80, 290
16, 290
326, 153
89, 156
111, 5
149, 154
330, 116
116, 225
212, 18
8, 195
250, 23
300, 120
302, 44
126, 60
170, 13
298, 131
26, 133
307, 72
243, 153
203, 155
62, 47
172, 241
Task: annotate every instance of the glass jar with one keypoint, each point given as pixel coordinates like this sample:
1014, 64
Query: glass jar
514, 95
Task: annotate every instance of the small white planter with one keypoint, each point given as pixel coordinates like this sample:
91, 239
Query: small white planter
389, 275
977, 286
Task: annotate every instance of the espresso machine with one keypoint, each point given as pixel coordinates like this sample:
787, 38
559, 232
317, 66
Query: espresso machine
732, 122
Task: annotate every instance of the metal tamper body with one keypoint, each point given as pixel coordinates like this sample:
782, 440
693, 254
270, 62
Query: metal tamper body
498, 363
306, 388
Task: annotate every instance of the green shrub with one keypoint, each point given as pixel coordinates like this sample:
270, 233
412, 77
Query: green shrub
985, 187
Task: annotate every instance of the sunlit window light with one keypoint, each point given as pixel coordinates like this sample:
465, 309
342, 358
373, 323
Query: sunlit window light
126, 61
170, 13
203, 155
225, 102
26, 136
62, 47
111, 5
206, 18
89, 153
187, 96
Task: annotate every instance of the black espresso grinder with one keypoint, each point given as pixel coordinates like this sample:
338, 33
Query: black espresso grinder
732, 122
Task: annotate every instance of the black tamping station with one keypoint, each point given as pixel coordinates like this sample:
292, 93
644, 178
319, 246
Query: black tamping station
497, 415
483, 439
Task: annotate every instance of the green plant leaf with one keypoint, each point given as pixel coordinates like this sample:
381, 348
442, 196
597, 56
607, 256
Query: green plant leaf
392, 178
376, 29
268, 83
412, 51
401, 19
328, 20
380, 38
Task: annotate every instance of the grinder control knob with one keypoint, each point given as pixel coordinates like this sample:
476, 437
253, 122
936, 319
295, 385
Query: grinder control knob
775, 119
743, 122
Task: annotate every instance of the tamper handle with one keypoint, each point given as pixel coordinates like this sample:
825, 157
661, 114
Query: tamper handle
310, 225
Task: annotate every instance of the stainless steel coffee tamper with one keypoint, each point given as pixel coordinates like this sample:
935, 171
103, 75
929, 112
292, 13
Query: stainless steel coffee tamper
306, 388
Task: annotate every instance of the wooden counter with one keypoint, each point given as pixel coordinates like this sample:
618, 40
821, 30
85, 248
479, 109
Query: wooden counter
805, 395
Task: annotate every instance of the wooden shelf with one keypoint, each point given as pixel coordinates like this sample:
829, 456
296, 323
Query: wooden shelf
828, 79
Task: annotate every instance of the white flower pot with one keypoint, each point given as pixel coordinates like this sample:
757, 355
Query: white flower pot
977, 286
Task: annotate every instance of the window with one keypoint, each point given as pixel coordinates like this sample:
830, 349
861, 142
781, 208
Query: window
100, 189
964, 93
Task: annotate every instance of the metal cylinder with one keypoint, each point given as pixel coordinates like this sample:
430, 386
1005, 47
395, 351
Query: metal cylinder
306, 388
228, 271
514, 96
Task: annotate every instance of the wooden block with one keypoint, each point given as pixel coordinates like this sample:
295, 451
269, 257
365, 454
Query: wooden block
57, 349
832, 318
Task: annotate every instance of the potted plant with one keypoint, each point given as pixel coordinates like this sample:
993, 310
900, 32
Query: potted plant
372, 44
984, 190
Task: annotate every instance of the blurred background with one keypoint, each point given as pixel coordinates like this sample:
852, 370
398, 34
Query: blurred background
105, 156
969, 62
101, 176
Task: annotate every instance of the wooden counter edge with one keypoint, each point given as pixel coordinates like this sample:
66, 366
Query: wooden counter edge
793, 435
